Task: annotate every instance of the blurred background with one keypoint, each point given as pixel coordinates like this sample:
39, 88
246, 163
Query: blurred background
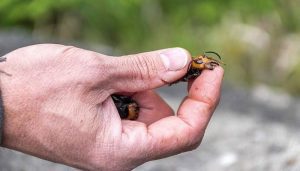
256, 126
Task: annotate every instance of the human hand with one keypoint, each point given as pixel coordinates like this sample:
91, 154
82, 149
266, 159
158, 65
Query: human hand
58, 106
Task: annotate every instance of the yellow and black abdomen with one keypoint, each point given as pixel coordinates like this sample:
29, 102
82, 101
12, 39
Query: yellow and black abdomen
126, 106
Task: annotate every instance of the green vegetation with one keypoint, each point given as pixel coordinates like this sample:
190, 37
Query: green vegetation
259, 39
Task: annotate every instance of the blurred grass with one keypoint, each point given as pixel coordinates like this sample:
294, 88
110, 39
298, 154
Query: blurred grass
259, 40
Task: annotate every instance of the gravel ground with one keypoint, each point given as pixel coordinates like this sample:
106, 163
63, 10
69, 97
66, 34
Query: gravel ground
251, 130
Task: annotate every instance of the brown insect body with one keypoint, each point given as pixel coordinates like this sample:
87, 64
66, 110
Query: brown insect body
198, 64
126, 106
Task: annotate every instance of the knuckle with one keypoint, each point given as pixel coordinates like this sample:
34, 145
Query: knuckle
194, 146
70, 50
144, 68
194, 140
98, 68
91, 67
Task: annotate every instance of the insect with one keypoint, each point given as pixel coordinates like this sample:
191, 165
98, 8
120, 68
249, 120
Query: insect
129, 109
200, 63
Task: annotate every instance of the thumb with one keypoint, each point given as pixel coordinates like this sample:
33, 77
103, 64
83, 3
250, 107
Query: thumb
148, 70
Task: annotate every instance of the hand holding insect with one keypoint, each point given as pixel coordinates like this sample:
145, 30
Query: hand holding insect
129, 109
58, 106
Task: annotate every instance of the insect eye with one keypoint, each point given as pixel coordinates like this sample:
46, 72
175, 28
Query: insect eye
198, 61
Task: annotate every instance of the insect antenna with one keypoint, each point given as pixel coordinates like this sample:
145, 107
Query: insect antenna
213, 53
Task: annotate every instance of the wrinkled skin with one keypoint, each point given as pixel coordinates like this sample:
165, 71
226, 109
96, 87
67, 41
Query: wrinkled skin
58, 106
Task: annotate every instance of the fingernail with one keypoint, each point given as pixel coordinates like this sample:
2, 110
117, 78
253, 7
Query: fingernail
174, 59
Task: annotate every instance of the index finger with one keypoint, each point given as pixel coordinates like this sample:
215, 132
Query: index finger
183, 132
203, 97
